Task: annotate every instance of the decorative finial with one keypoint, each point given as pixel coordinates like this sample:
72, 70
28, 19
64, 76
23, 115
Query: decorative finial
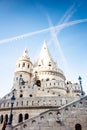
25, 54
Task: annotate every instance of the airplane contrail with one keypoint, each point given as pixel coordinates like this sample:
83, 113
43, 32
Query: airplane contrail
67, 14
58, 46
58, 27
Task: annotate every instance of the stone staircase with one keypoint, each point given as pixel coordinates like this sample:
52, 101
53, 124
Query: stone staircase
63, 118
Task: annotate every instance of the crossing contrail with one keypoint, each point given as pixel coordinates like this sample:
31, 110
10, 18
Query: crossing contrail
67, 14
65, 18
58, 27
58, 47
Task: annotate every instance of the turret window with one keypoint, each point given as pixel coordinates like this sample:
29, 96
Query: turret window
47, 79
23, 65
21, 95
16, 78
18, 65
20, 75
28, 66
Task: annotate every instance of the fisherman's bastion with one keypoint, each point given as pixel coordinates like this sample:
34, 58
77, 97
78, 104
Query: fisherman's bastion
41, 99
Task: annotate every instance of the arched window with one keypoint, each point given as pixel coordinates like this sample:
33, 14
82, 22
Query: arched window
38, 83
78, 127
47, 79
26, 116
27, 103
17, 104
21, 95
18, 65
22, 103
42, 117
1, 119
28, 66
6, 118
23, 65
20, 119
30, 95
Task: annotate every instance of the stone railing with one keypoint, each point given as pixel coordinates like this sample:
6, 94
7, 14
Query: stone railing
44, 102
54, 115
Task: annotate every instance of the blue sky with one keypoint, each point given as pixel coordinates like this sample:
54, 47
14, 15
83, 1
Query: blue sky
68, 46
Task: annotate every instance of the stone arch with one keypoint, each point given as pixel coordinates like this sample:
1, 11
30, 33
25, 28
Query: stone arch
28, 65
26, 116
78, 127
50, 113
16, 129
47, 79
78, 95
30, 95
33, 121
6, 118
42, 117
23, 64
21, 95
38, 83
19, 65
25, 125
1, 119
20, 118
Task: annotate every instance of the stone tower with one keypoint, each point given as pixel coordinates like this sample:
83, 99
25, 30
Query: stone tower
23, 72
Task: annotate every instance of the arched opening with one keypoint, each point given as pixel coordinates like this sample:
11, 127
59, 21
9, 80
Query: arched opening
1, 119
23, 65
78, 127
78, 95
28, 66
47, 79
30, 95
38, 83
26, 116
21, 95
20, 119
18, 65
6, 118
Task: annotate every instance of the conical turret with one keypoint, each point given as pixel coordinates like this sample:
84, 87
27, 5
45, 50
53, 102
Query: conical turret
45, 58
45, 67
23, 70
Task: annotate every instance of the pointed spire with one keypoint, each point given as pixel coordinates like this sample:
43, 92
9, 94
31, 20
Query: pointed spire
44, 44
45, 58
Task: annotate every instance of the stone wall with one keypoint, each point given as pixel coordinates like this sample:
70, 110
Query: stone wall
72, 116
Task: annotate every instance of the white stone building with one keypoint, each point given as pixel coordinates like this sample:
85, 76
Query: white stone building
43, 99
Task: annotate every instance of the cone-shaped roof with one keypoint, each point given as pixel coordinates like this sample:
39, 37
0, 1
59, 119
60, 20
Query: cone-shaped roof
45, 58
